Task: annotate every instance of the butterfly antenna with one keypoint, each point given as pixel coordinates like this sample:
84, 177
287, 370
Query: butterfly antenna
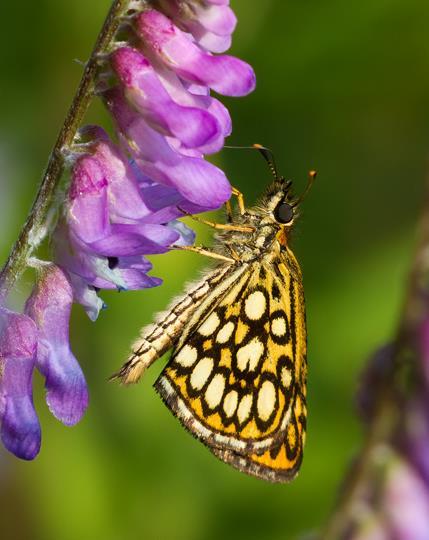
269, 158
266, 154
311, 178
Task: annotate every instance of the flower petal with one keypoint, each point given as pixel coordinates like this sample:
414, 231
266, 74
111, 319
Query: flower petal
98, 271
196, 180
122, 187
212, 42
194, 95
219, 20
187, 235
127, 240
193, 126
86, 296
406, 502
49, 306
20, 428
218, 2
226, 75
211, 25
88, 210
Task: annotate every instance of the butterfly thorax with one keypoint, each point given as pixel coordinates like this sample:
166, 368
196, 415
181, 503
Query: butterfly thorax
270, 236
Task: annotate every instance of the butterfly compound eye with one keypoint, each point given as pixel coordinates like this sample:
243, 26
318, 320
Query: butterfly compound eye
283, 213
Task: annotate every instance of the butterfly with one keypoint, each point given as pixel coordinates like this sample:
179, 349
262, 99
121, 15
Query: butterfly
237, 375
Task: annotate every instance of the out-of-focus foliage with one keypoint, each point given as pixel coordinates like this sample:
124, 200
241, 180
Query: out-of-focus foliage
343, 87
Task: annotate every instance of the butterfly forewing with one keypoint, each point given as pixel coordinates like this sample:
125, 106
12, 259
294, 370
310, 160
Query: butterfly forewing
233, 377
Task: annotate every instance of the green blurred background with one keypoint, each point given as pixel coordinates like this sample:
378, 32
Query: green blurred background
343, 87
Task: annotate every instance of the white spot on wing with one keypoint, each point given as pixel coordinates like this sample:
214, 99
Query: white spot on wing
255, 305
244, 408
215, 390
286, 377
249, 355
266, 400
225, 332
209, 325
187, 356
230, 403
201, 373
278, 327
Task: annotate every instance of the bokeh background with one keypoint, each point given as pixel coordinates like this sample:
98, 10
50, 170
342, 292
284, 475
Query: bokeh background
343, 87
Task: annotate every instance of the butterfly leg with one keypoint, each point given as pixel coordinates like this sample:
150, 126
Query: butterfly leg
228, 205
204, 251
240, 200
222, 226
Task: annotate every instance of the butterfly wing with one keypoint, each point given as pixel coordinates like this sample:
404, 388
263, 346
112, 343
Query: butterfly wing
232, 378
280, 463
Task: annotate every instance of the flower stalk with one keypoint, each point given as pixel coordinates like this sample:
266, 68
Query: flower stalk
36, 226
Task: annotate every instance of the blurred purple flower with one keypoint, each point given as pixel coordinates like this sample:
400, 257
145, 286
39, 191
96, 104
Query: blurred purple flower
124, 200
372, 380
405, 503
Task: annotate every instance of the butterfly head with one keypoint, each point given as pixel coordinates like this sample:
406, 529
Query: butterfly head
280, 202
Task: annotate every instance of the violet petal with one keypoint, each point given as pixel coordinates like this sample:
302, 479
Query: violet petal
406, 503
124, 200
49, 306
193, 126
88, 210
127, 240
187, 235
20, 428
195, 96
226, 75
86, 296
197, 180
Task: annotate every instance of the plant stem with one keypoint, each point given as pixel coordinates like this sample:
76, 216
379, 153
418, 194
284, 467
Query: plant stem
35, 229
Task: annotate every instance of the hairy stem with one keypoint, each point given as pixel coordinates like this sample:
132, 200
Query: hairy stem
35, 227
389, 409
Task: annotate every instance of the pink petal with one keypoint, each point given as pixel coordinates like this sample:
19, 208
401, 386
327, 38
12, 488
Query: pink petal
49, 306
196, 180
124, 200
224, 74
88, 210
20, 429
193, 126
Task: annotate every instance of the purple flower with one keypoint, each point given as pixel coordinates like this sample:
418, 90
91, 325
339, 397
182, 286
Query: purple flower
108, 228
211, 24
20, 429
405, 503
224, 74
194, 127
49, 306
414, 439
125, 197
372, 379
195, 180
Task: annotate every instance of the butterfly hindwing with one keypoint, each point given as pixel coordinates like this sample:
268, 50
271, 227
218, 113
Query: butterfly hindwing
280, 463
234, 376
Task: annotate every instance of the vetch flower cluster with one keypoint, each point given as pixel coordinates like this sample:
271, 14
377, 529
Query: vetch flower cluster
125, 197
